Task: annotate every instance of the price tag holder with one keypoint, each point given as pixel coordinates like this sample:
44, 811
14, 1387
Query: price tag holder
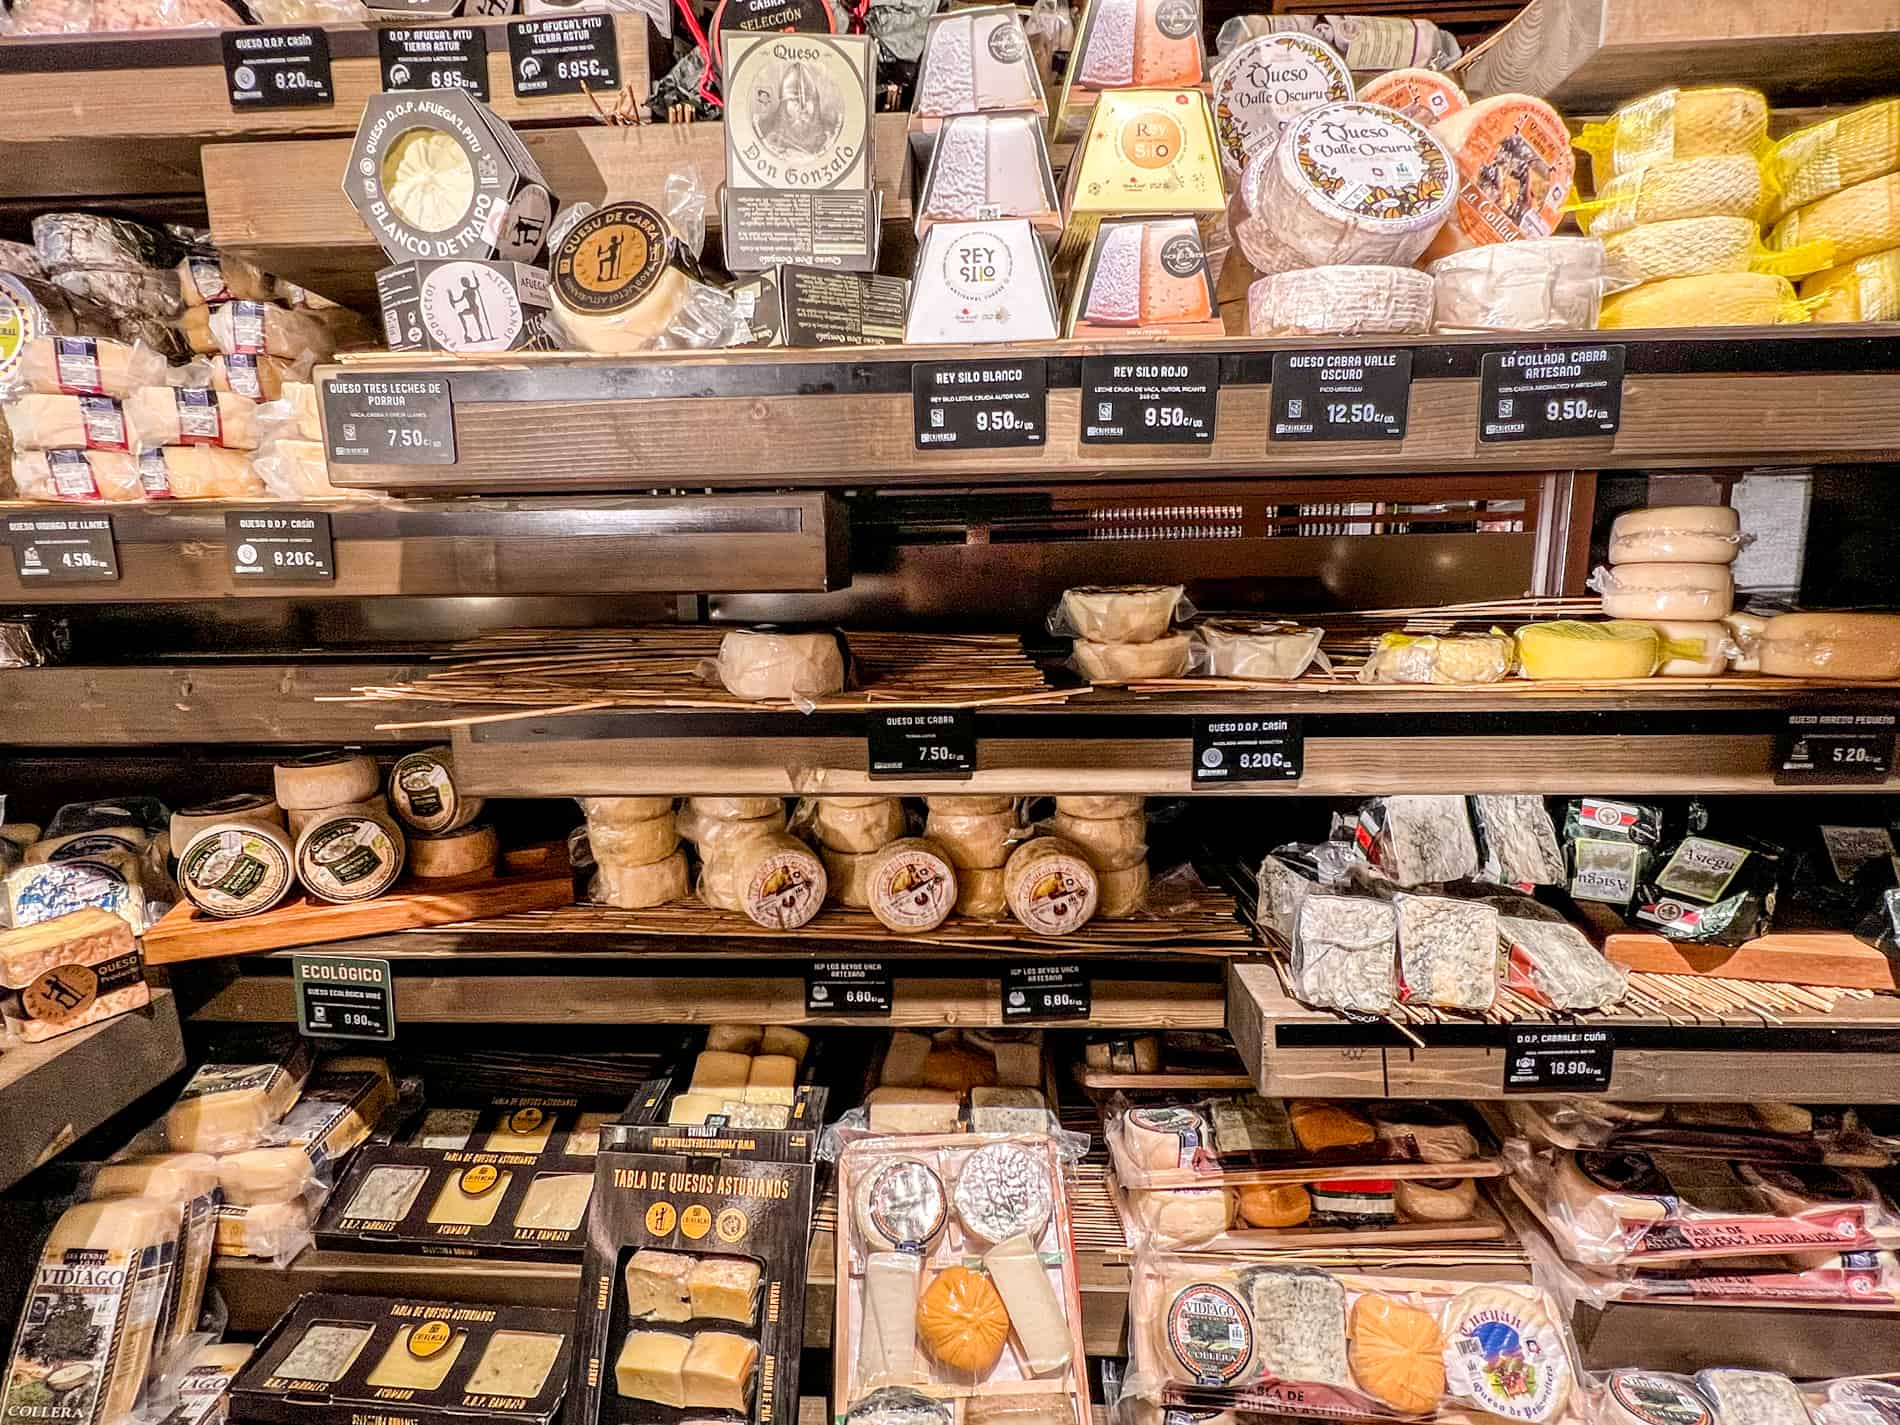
435, 57
1554, 393
1149, 400
63, 549
344, 997
399, 419
293, 546
278, 69
1561, 1058
1228, 750
1051, 991
566, 54
939, 742
848, 987
980, 405
1340, 395
1838, 749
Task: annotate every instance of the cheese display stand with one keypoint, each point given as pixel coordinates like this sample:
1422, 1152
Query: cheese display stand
1301, 822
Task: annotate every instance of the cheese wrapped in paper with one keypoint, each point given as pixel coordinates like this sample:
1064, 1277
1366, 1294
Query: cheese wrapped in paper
771, 665
1536, 284
1245, 648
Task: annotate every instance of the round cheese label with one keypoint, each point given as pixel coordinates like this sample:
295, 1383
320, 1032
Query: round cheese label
20, 321
1515, 168
611, 259
429, 1338
1209, 1334
1267, 83
1372, 163
479, 1179
1653, 1399
349, 858
525, 1121
470, 306
60, 994
912, 890
1510, 1356
420, 786
786, 890
796, 114
230, 871
1056, 897
978, 264
1151, 138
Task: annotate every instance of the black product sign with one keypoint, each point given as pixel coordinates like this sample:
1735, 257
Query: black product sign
280, 544
1559, 1058
1340, 395
1551, 393
389, 420
934, 742
565, 54
1228, 750
1149, 400
278, 69
63, 549
1042, 991
1841, 749
979, 405
435, 57
848, 987
344, 997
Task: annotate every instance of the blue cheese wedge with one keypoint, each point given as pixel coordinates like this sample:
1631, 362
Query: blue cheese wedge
1300, 1318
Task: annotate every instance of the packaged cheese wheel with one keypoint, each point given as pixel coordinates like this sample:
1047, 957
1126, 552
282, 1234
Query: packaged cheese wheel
245, 806
1536, 284
1252, 648
1273, 1204
980, 893
972, 842
1677, 534
1724, 185
635, 887
1421, 94
1832, 645
1110, 843
736, 808
1123, 891
1050, 886
1571, 650
1341, 301
1691, 649
422, 793
962, 1321
237, 868
847, 877
912, 885
1673, 124
273, 1230
1124, 613
637, 843
1720, 299
623, 811
325, 779
1490, 1313
972, 804
86, 366
1267, 82
621, 280
1864, 291
779, 881
350, 855
1164, 1139
1701, 593
470, 851
176, 1177
856, 829
78, 476
69, 971
1174, 1218
1811, 163
1166, 657
718, 884
770, 665
1435, 1199
1856, 222
1693, 247
301, 821
1102, 805
1515, 168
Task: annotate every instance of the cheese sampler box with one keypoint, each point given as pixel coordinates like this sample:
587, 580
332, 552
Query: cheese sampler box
976, 60
747, 1088
1145, 275
338, 1357
1129, 44
692, 1291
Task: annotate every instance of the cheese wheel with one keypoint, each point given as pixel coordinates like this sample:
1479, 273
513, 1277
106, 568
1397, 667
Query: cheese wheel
1122, 613
1677, 534
1166, 657
1832, 645
1866, 290
980, 893
857, 829
423, 795
1111, 844
638, 843
1433, 1135
769, 665
1264, 84
1435, 1199
301, 821
712, 837
1701, 593
621, 811
972, 842
1728, 185
635, 887
1572, 650
1249, 648
1535, 284
962, 1321
719, 882
1421, 94
1181, 1217
1050, 886
970, 805
245, 806
847, 877
912, 885
471, 850
1677, 123
1854, 223
779, 881
1693, 650
1274, 1204
1717, 299
325, 779
1397, 1353
1475, 1325
1101, 806
1681, 247
349, 855
237, 868
1123, 891
736, 808
1515, 168
1164, 1140
1341, 301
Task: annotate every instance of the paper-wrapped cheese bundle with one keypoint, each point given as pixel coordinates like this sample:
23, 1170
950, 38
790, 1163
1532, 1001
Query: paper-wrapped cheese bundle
781, 665
1122, 632
635, 843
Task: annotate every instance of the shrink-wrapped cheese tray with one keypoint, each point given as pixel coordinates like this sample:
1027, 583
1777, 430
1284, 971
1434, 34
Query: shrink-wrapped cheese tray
753, 1082
1766, 1132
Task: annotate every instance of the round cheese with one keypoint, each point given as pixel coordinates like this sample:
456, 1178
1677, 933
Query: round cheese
422, 793
635, 887
1421, 94
1003, 1191
1515, 169
1274, 1204
1110, 843
1680, 247
1716, 186
1677, 123
778, 880
237, 868
1571, 650
1164, 1139
1102, 806
1866, 290
349, 855
245, 806
1535, 284
637, 843
1745, 631
856, 829
970, 805
1050, 886
1250, 648
1124, 613
980, 893
735, 808
1205, 1333
325, 779
1676, 534
301, 821
767, 665
1633, 1397
899, 1205
465, 852
1435, 1199
618, 279
1123, 891
428, 179
1491, 1334
912, 887
1719, 299
1341, 301
1856, 222
962, 1321
973, 842
1397, 1353
1692, 650
1266, 83
1174, 1218
1832, 645
847, 877
1701, 593
619, 811
1166, 657
719, 882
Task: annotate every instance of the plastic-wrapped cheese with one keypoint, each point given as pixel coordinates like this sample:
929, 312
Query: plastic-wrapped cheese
1537, 284
620, 280
1573, 651
1811, 163
770, 665
777, 880
1341, 301
1102, 805
1244, 648
624, 811
1122, 613
1267, 82
200, 472
87, 366
1181, 1217
79, 476
41, 422
1701, 593
265, 1175
273, 1230
1675, 124
857, 829
636, 843
1421, 94
69, 972
1677, 534
1692, 650
1729, 185
1110, 843
1050, 886
1682, 247
1856, 222
1745, 631
1719, 299
1166, 657
1514, 172
1867, 290
633, 886
181, 415
732, 809
1832, 645
911, 886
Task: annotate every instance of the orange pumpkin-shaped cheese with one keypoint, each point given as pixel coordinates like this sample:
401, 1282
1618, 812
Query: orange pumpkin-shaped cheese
1274, 1204
963, 1321
1327, 1125
1396, 1353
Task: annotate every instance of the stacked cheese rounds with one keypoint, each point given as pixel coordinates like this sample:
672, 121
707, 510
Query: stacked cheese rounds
1050, 886
975, 833
908, 882
717, 827
1122, 633
1832, 181
444, 837
1669, 567
635, 841
348, 847
1112, 832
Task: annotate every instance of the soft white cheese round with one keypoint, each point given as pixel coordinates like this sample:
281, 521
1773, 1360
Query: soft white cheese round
1700, 593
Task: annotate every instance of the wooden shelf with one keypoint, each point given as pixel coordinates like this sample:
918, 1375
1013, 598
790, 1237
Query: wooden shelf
282, 206
1726, 397
1806, 957
702, 544
101, 115
54, 1093
1846, 1056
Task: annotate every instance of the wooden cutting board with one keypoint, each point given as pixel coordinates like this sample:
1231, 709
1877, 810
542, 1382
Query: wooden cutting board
1830, 959
533, 878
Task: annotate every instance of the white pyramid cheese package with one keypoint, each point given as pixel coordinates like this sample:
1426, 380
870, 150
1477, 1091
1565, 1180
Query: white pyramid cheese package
1422, 94
1515, 169
1130, 44
975, 60
1145, 274
1341, 301
1147, 151
1265, 84
991, 166
1537, 284
981, 282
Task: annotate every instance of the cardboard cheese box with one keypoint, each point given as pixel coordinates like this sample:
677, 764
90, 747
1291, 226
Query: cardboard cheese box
1145, 275
465, 306
1148, 151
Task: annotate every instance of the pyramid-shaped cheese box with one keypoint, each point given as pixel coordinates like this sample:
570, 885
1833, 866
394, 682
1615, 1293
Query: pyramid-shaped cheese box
976, 60
1148, 151
1130, 44
1146, 275
989, 166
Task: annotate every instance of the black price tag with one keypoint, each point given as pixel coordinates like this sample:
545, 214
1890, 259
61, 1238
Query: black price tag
280, 544
1841, 749
278, 69
344, 997
435, 57
565, 54
848, 987
1042, 991
63, 549
935, 742
1551, 393
1561, 1058
1248, 749
1340, 395
1149, 400
979, 405
389, 420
